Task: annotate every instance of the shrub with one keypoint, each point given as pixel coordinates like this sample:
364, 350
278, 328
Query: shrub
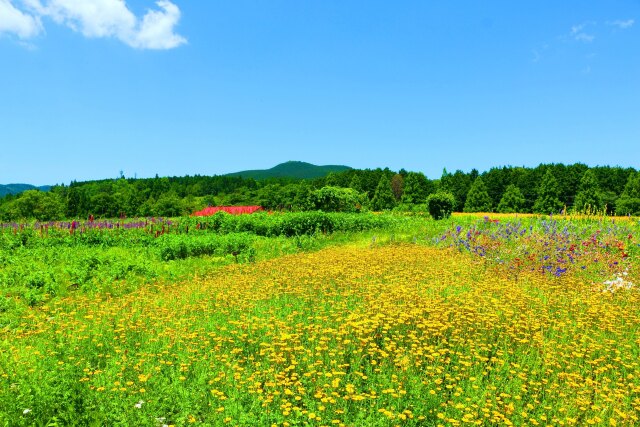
171, 246
440, 204
336, 199
628, 206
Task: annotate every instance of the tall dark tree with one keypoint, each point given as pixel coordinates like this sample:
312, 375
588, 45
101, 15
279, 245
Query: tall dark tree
416, 188
444, 184
512, 200
356, 183
397, 186
548, 201
528, 181
629, 201
588, 197
383, 197
496, 181
572, 178
478, 199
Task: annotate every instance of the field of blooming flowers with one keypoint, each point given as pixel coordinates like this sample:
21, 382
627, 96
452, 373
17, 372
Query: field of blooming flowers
469, 321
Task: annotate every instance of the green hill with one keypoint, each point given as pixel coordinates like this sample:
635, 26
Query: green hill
19, 188
291, 169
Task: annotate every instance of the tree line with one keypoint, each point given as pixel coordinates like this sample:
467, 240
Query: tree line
547, 188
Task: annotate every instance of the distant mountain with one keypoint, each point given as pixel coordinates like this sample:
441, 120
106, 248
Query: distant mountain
291, 169
19, 188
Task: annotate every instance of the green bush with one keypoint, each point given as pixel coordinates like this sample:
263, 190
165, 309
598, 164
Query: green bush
289, 224
172, 246
440, 204
337, 199
628, 206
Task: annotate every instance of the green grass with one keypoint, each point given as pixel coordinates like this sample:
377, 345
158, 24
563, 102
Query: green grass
378, 327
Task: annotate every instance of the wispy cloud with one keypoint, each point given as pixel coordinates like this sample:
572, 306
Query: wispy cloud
581, 36
578, 33
104, 19
622, 25
14, 21
538, 53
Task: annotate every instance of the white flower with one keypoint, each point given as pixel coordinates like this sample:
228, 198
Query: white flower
26, 411
139, 404
617, 284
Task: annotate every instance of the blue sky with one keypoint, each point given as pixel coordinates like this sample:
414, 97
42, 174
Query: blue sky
92, 88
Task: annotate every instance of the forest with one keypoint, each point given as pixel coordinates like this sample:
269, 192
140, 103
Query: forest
545, 189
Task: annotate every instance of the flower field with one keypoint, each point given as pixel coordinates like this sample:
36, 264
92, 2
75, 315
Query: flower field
466, 326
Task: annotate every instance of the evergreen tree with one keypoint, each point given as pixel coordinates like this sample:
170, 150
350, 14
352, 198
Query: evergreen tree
383, 198
445, 181
478, 199
588, 196
548, 201
356, 183
460, 184
416, 187
332, 180
496, 180
397, 186
512, 200
527, 181
629, 201
632, 188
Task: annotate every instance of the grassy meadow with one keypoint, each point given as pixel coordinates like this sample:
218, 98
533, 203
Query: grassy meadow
321, 320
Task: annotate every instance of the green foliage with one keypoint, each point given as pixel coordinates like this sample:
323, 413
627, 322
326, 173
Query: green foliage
629, 201
548, 201
35, 204
168, 196
589, 196
383, 198
440, 205
416, 188
336, 199
173, 246
397, 186
478, 199
303, 199
512, 200
169, 205
632, 188
288, 224
628, 206
356, 183
36, 266
459, 185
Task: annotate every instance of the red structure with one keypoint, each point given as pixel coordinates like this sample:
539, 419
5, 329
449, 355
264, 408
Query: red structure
233, 210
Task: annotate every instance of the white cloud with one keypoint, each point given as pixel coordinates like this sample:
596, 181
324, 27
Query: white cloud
583, 37
623, 25
112, 18
14, 21
578, 33
96, 18
156, 29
